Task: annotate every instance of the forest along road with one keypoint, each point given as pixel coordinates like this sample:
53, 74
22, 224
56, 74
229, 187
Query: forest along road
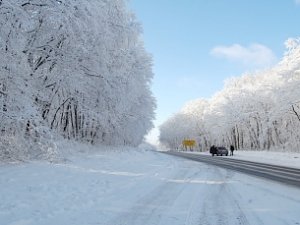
282, 174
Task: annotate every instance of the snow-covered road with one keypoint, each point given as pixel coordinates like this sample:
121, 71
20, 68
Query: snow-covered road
140, 188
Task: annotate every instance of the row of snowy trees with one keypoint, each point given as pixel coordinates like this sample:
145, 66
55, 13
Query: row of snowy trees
74, 67
258, 111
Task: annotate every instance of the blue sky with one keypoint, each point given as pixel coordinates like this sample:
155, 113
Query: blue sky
197, 44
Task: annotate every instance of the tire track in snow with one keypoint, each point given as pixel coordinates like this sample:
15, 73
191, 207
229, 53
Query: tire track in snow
149, 209
175, 201
218, 197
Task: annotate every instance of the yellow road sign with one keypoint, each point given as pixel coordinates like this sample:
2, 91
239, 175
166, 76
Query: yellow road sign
188, 143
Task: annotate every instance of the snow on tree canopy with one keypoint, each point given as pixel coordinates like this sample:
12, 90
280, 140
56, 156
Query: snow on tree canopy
76, 68
258, 111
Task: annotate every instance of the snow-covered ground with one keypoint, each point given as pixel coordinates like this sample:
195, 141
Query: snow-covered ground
139, 187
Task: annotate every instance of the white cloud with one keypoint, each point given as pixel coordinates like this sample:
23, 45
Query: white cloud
255, 55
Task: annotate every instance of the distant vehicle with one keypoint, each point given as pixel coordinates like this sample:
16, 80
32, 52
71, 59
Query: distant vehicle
219, 151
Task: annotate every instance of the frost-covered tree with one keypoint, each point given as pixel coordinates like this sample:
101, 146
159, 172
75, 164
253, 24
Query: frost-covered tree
75, 67
187, 124
254, 111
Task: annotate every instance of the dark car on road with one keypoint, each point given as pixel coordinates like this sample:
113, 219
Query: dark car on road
218, 151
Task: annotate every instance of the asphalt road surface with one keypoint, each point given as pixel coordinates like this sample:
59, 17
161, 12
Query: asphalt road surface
282, 174
197, 193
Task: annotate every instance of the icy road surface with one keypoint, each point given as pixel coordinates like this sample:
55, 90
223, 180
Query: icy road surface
140, 188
